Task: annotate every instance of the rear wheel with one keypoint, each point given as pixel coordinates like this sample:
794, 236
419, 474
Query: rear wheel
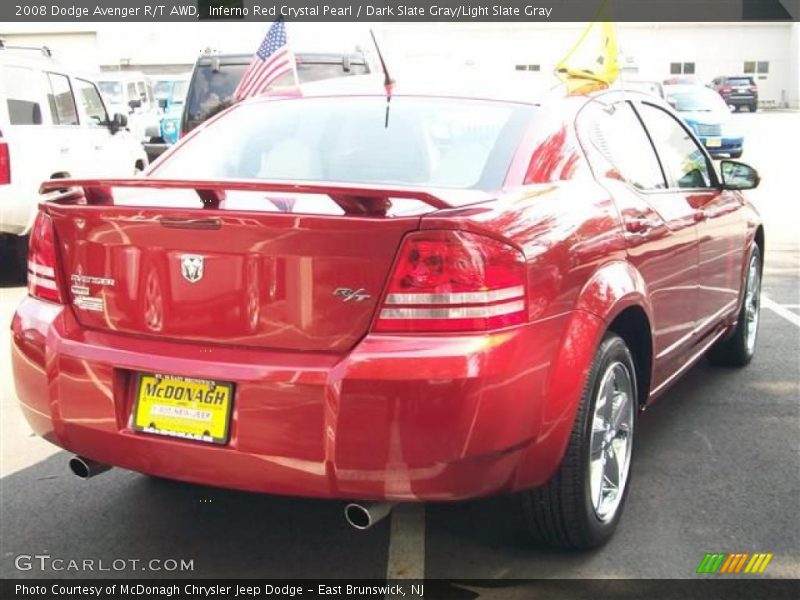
738, 349
580, 506
753, 107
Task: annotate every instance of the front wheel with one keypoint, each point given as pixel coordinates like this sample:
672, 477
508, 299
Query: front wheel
580, 507
738, 349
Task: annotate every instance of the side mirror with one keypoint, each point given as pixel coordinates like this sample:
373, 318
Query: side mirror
135, 104
119, 121
738, 176
163, 103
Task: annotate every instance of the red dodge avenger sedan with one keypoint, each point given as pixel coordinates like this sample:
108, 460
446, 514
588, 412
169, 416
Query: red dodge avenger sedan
431, 298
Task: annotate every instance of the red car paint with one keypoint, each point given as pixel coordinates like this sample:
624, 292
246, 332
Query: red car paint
325, 405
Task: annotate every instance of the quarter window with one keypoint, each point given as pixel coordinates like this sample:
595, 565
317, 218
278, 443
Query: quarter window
61, 100
91, 103
23, 88
684, 162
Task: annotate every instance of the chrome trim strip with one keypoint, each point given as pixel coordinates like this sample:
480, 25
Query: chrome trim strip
458, 297
456, 312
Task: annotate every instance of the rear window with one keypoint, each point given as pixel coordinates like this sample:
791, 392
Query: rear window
740, 81
432, 142
211, 90
22, 87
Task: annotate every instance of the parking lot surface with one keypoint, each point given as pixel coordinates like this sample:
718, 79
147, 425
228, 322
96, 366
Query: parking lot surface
717, 468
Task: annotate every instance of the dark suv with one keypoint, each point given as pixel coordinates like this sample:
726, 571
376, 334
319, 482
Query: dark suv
215, 77
737, 91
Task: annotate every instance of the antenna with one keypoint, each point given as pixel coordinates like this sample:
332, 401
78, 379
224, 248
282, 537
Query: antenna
388, 82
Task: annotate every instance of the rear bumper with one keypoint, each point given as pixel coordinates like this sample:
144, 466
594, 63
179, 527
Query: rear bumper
740, 100
439, 418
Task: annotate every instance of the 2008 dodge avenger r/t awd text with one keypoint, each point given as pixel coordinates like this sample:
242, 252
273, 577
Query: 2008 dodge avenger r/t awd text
417, 298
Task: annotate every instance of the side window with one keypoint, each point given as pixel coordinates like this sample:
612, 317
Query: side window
23, 88
92, 104
684, 162
132, 93
62, 103
142, 93
617, 133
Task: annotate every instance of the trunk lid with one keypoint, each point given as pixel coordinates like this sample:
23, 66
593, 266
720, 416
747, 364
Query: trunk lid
226, 274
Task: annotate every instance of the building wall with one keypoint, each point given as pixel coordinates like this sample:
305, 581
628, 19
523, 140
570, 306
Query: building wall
647, 48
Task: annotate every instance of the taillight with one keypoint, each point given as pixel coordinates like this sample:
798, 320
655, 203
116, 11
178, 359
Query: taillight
725, 89
42, 280
454, 281
5, 164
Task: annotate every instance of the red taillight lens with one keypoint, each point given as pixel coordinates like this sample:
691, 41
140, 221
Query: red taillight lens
42, 278
5, 164
454, 281
725, 89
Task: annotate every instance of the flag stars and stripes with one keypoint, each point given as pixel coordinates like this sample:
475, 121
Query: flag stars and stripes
272, 60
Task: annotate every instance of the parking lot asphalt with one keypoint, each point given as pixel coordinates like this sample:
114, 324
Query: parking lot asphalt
717, 468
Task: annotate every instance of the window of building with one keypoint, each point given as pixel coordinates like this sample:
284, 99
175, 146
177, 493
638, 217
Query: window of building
763, 67
536, 68
684, 68
749, 66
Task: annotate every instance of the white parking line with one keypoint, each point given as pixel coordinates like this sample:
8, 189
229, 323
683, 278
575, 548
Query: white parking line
407, 542
780, 310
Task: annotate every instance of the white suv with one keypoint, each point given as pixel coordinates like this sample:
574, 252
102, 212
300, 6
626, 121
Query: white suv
53, 124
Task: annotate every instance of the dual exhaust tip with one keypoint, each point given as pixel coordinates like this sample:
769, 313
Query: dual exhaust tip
359, 515
364, 515
86, 467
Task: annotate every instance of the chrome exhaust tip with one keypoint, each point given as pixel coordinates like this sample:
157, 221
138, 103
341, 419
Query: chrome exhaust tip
86, 467
364, 516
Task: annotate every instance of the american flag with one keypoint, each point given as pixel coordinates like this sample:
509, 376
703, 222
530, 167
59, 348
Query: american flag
272, 60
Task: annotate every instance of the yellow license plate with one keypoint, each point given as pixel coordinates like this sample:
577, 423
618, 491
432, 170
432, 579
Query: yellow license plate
194, 409
714, 142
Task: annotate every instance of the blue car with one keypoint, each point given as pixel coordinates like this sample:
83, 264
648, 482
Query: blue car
706, 113
171, 95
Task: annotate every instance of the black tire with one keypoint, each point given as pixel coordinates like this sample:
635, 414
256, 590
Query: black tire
737, 350
562, 514
753, 108
20, 248
736, 108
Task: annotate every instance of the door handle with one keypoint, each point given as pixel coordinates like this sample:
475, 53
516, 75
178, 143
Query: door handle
640, 225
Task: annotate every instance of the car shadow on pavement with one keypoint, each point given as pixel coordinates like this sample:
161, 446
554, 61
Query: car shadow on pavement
227, 534
715, 470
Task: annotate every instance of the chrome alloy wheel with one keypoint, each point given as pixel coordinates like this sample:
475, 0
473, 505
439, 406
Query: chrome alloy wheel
611, 440
752, 302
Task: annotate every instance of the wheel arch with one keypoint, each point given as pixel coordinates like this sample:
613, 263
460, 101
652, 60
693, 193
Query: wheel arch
634, 327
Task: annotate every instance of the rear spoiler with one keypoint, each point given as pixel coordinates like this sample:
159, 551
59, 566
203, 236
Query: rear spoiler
353, 198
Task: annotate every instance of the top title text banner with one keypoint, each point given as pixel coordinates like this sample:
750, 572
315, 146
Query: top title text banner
402, 10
